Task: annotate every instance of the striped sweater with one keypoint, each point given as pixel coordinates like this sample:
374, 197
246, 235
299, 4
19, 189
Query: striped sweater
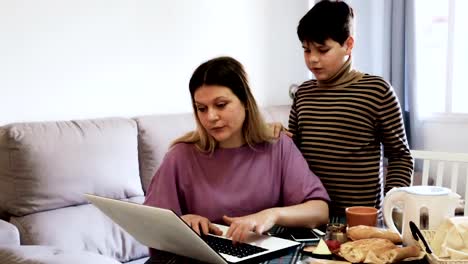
342, 128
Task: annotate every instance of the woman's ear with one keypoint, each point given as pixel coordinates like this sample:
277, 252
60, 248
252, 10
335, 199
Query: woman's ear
349, 43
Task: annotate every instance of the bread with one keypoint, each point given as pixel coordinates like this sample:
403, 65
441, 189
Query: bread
394, 255
356, 251
376, 250
363, 232
401, 253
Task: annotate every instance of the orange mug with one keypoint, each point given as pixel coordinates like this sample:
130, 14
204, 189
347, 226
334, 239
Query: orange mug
361, 215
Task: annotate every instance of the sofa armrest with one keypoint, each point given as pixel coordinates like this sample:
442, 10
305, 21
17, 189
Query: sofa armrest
9, 234
51, 254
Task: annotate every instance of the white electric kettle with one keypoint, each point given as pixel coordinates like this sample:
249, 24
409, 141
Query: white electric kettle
424, 205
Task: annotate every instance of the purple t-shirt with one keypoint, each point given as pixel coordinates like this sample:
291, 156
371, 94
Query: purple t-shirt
233, 182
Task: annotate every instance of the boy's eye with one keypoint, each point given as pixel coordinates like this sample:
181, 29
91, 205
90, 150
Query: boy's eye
306, 50
323, 50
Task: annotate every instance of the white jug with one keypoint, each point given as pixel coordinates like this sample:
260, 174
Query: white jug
433, 202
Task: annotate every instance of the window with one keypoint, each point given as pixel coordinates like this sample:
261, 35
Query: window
441, 37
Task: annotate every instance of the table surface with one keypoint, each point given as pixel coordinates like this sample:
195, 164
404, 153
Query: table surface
166, 258
295, 256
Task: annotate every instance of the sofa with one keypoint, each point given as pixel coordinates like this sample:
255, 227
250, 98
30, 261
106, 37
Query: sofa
46, 167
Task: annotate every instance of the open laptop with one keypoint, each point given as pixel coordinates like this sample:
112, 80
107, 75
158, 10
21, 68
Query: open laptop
162, 229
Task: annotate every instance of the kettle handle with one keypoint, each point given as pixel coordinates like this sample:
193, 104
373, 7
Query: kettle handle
394, 198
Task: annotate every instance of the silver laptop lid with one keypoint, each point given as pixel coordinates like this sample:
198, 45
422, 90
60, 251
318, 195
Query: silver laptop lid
162, 229
142, 223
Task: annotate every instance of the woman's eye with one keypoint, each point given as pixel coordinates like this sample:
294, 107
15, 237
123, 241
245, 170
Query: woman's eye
323, 50
221, 105
201, 109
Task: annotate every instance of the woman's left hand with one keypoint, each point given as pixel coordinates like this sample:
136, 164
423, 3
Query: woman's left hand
259, 222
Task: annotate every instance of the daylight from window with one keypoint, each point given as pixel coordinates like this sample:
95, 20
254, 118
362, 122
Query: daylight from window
441, 56
460, 58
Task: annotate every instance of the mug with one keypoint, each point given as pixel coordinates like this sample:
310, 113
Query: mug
361, 215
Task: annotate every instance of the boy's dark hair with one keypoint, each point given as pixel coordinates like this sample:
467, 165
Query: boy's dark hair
327, 19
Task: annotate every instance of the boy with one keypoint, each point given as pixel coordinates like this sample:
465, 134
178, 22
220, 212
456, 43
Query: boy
341, 120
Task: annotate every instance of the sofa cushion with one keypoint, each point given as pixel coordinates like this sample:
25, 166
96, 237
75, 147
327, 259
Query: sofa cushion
9, 234
50, 255
81, 227
49, 165
155, 133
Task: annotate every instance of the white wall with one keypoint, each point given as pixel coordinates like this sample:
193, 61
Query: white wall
371, 46
64, 59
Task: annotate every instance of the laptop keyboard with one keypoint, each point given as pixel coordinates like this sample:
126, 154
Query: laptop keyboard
225, 246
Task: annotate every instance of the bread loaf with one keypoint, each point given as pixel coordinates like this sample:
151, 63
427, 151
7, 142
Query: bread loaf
377, 251
363, 232
356, 251
394, 255
400, 253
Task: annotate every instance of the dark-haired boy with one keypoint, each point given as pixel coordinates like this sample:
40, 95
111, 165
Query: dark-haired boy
343, 120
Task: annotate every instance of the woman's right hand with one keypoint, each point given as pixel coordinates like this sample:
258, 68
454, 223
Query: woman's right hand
199, 223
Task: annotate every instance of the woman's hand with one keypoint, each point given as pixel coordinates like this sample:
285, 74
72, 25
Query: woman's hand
260, 222
277, 128
199, 223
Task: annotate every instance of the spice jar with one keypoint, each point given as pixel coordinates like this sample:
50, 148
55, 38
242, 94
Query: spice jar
336, 232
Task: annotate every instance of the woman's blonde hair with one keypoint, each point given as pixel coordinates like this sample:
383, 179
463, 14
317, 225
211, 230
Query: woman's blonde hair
227, 72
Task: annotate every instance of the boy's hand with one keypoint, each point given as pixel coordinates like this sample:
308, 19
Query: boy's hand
201, 225
277, 128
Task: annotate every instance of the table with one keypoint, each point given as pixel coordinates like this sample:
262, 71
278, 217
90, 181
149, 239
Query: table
168, 258
294, 257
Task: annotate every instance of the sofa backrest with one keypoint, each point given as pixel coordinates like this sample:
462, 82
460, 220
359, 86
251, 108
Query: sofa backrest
49, 165
155, 134
277, 113
45, 167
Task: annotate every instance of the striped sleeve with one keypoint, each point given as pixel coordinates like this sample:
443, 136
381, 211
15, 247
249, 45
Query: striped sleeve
292, 125
400, 162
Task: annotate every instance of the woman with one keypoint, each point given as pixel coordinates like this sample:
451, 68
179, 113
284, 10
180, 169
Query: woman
230, 170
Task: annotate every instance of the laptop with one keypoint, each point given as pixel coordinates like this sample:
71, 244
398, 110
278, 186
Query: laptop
164, 230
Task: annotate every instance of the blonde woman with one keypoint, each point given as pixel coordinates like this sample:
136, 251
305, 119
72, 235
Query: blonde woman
230, 171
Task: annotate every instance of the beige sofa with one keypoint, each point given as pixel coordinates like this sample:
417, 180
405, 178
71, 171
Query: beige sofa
45, 167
